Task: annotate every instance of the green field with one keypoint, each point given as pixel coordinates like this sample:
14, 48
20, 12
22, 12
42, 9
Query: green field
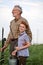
35, 58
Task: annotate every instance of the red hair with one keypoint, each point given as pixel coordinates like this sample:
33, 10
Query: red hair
26, 25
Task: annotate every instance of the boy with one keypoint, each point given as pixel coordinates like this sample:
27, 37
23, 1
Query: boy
23, 44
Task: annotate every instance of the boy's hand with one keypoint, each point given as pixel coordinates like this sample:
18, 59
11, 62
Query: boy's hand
14, 52
24, 44
17, 48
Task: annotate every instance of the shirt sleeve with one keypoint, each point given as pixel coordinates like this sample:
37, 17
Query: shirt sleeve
27, 38
9, 37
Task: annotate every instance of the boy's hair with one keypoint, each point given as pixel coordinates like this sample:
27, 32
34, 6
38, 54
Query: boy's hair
26, 25
28, 31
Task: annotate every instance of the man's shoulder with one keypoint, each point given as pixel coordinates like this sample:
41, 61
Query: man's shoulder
12, 21
23, 19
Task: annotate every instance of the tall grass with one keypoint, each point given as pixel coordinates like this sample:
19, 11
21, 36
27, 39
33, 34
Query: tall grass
35, 58
36, 55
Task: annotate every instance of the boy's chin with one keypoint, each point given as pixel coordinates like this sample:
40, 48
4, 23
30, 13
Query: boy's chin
21, 31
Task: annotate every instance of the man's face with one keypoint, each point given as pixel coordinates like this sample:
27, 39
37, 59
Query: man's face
15, 12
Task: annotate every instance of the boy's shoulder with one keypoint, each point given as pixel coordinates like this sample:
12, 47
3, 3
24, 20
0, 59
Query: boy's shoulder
25, 34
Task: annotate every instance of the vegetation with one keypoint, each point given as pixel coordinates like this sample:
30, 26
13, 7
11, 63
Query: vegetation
36, 55
35, 58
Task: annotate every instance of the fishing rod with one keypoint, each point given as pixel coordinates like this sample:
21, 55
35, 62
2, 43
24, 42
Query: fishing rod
3, 40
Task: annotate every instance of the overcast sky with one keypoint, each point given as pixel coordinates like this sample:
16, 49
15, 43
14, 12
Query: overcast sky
32, 11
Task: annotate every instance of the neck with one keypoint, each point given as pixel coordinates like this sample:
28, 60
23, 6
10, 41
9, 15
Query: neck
17, 17
21, 32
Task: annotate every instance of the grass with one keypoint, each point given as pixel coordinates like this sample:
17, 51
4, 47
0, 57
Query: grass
35, 58
36, 55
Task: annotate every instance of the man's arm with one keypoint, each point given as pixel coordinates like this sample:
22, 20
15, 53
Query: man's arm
6, 42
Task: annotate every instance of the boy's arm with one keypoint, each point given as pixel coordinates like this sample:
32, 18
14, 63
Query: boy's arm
23, 47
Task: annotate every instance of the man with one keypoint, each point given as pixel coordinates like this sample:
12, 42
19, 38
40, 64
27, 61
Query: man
13, 34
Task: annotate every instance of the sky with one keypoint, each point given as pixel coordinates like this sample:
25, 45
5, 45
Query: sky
32, 11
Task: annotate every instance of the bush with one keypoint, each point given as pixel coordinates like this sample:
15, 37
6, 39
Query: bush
35, 58
36, 55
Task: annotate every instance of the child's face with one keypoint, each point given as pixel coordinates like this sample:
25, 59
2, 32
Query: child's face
22, 28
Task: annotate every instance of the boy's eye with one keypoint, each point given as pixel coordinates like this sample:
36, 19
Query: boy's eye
22, 26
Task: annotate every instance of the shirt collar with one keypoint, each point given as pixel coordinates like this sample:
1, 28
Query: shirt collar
22, 33
17, 19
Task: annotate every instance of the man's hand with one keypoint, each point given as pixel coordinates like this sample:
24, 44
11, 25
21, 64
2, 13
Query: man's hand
1, 49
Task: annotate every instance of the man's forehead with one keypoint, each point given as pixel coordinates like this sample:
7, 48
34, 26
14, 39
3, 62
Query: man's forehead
17, 8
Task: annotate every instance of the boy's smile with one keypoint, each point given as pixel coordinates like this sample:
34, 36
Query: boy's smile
22, 28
